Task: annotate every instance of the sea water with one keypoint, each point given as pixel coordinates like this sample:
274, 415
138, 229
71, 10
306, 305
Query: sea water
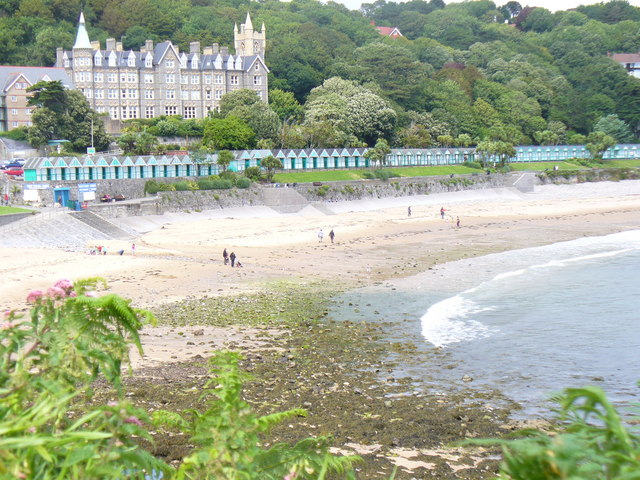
528, 322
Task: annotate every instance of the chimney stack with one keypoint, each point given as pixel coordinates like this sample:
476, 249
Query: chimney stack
216, 48
111, 43
224, 50
148, 45
95, 45
194, 47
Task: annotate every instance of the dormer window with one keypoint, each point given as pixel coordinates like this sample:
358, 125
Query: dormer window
148, 61
183, 61
131, 61
97, 60
194, 62
66, 63
112, 59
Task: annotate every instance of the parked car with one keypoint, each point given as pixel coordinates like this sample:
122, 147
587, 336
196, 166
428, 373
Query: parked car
119, 197
14, 171
106, 198
10, 165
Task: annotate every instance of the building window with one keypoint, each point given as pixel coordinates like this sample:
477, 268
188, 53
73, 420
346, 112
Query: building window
195, 94
195, 79
14, 98
148, 78
21, 85
148, 94
112, 62
207, 94
257, 80
14, 111
15, 124
113, 112
133, 93
218, 94
132, 78
148, 62
112, 93
218, 79
257, 67
207, 79
99, 93
98, 61
170, 78
88, 92
184, 95
124, 113
123, 93
184, 79
234, 80
66, 63
149, 112
131, 61
170, 63
189, 112
98, 77
29, 111
100, 109
123, 78
170, 94
112, 77
133, 112
170, 110
259, 92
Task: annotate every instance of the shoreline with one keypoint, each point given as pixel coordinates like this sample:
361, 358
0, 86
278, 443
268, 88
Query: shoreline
333, 370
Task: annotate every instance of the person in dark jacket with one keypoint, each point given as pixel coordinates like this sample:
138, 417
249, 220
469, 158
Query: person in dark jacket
232, 257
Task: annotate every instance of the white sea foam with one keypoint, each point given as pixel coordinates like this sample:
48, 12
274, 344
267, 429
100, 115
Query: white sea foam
448, 322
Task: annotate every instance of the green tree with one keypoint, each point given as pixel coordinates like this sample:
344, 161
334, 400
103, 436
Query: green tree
225, 157
242, 97
285, 105
230, 133
138, 143
614, 127
378, 154
598, 143
270, 165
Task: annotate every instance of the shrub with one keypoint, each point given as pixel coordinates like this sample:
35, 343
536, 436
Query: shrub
243, 183
322, 191
153, 186
384, 175
470, 164
253, 173
183, 186
368, 175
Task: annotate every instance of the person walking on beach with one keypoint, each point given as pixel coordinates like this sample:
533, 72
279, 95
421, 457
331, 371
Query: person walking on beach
133, 248
442, 210
408, 211
332, 235
232, 257
320, 235
225, 257
458, 222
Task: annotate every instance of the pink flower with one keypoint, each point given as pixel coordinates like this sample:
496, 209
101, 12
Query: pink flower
56, 292
34, 296
112, 403
65, 284
133, 420
90, 294
6, 325
73, 294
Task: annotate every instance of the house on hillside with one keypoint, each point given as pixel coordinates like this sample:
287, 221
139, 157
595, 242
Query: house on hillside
14, 81
393, 32
159, 79
630, 61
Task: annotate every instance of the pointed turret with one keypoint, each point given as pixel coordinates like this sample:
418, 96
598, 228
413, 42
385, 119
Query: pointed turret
263, 28
82, 37
247, 23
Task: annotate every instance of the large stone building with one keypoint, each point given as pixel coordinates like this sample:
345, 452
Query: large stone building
161, 80
14, 81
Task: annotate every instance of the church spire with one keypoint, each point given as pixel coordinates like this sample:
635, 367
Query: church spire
82, 37
247, 23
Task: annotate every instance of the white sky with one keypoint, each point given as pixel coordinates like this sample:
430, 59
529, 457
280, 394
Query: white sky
552, 5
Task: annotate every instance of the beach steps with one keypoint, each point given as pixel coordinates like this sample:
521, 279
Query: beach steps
283, 200
61, 230
100, 224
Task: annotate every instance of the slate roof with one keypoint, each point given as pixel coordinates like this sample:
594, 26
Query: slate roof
9, 74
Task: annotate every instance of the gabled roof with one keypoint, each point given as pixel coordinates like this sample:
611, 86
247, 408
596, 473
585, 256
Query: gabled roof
626, 57
32, 75
389, 31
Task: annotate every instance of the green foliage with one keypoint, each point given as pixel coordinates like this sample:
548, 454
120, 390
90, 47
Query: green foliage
186, 186
243, 182
593, 444
20, 134
322, 190
253, 173
213, 183
69, 337
225, 157
230, 133
153, 186
271, 164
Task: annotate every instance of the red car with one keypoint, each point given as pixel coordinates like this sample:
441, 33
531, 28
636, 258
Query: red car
16, 172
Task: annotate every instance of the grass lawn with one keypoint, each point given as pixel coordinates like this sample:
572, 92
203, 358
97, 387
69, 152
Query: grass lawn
630, 163
542, 166
10, 210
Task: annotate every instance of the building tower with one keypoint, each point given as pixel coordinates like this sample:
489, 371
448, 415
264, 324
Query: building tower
248, 41
82, 58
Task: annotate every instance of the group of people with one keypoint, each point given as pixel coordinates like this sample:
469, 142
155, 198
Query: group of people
231, 258
332, 235
442, 215
102, 250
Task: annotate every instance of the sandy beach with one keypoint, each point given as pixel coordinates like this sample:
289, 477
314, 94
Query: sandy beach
180, 255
